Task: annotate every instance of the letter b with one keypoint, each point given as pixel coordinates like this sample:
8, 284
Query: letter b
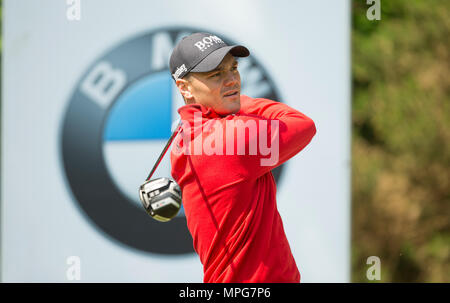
200, 45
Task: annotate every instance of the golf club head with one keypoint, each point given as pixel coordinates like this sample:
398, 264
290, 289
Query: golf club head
161, 198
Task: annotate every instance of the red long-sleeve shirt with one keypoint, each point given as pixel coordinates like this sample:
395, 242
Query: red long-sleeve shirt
230, 199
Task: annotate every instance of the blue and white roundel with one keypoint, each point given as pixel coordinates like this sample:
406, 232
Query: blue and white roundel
118, 119
137, 129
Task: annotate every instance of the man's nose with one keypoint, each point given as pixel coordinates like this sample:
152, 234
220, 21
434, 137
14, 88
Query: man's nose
232, 78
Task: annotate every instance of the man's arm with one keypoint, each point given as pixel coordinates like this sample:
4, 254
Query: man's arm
287, 127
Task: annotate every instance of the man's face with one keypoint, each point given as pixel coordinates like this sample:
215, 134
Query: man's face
219, 89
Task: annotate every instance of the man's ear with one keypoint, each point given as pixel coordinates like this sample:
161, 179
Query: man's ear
184, 88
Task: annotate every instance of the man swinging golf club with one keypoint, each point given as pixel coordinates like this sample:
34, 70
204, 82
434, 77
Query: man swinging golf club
222, 156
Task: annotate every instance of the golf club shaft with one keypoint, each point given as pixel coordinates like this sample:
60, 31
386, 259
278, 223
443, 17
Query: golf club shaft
161, 156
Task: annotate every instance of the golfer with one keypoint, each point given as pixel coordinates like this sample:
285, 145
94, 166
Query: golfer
222, 159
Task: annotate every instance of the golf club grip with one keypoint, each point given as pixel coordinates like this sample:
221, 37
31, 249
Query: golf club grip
161, 156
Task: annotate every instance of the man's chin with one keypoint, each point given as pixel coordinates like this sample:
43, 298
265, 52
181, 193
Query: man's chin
230, 108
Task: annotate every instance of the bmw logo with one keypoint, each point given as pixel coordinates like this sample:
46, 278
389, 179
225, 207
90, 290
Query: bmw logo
117, 121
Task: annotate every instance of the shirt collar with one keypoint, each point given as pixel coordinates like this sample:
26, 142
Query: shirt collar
187, 112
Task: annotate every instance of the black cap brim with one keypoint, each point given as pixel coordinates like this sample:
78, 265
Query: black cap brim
215, 58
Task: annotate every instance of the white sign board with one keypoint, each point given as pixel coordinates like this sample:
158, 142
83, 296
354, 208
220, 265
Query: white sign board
88, 104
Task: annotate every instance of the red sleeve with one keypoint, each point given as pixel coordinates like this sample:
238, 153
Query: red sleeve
288, 130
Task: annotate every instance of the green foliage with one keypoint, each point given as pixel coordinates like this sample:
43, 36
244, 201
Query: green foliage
400, 150
1, 24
